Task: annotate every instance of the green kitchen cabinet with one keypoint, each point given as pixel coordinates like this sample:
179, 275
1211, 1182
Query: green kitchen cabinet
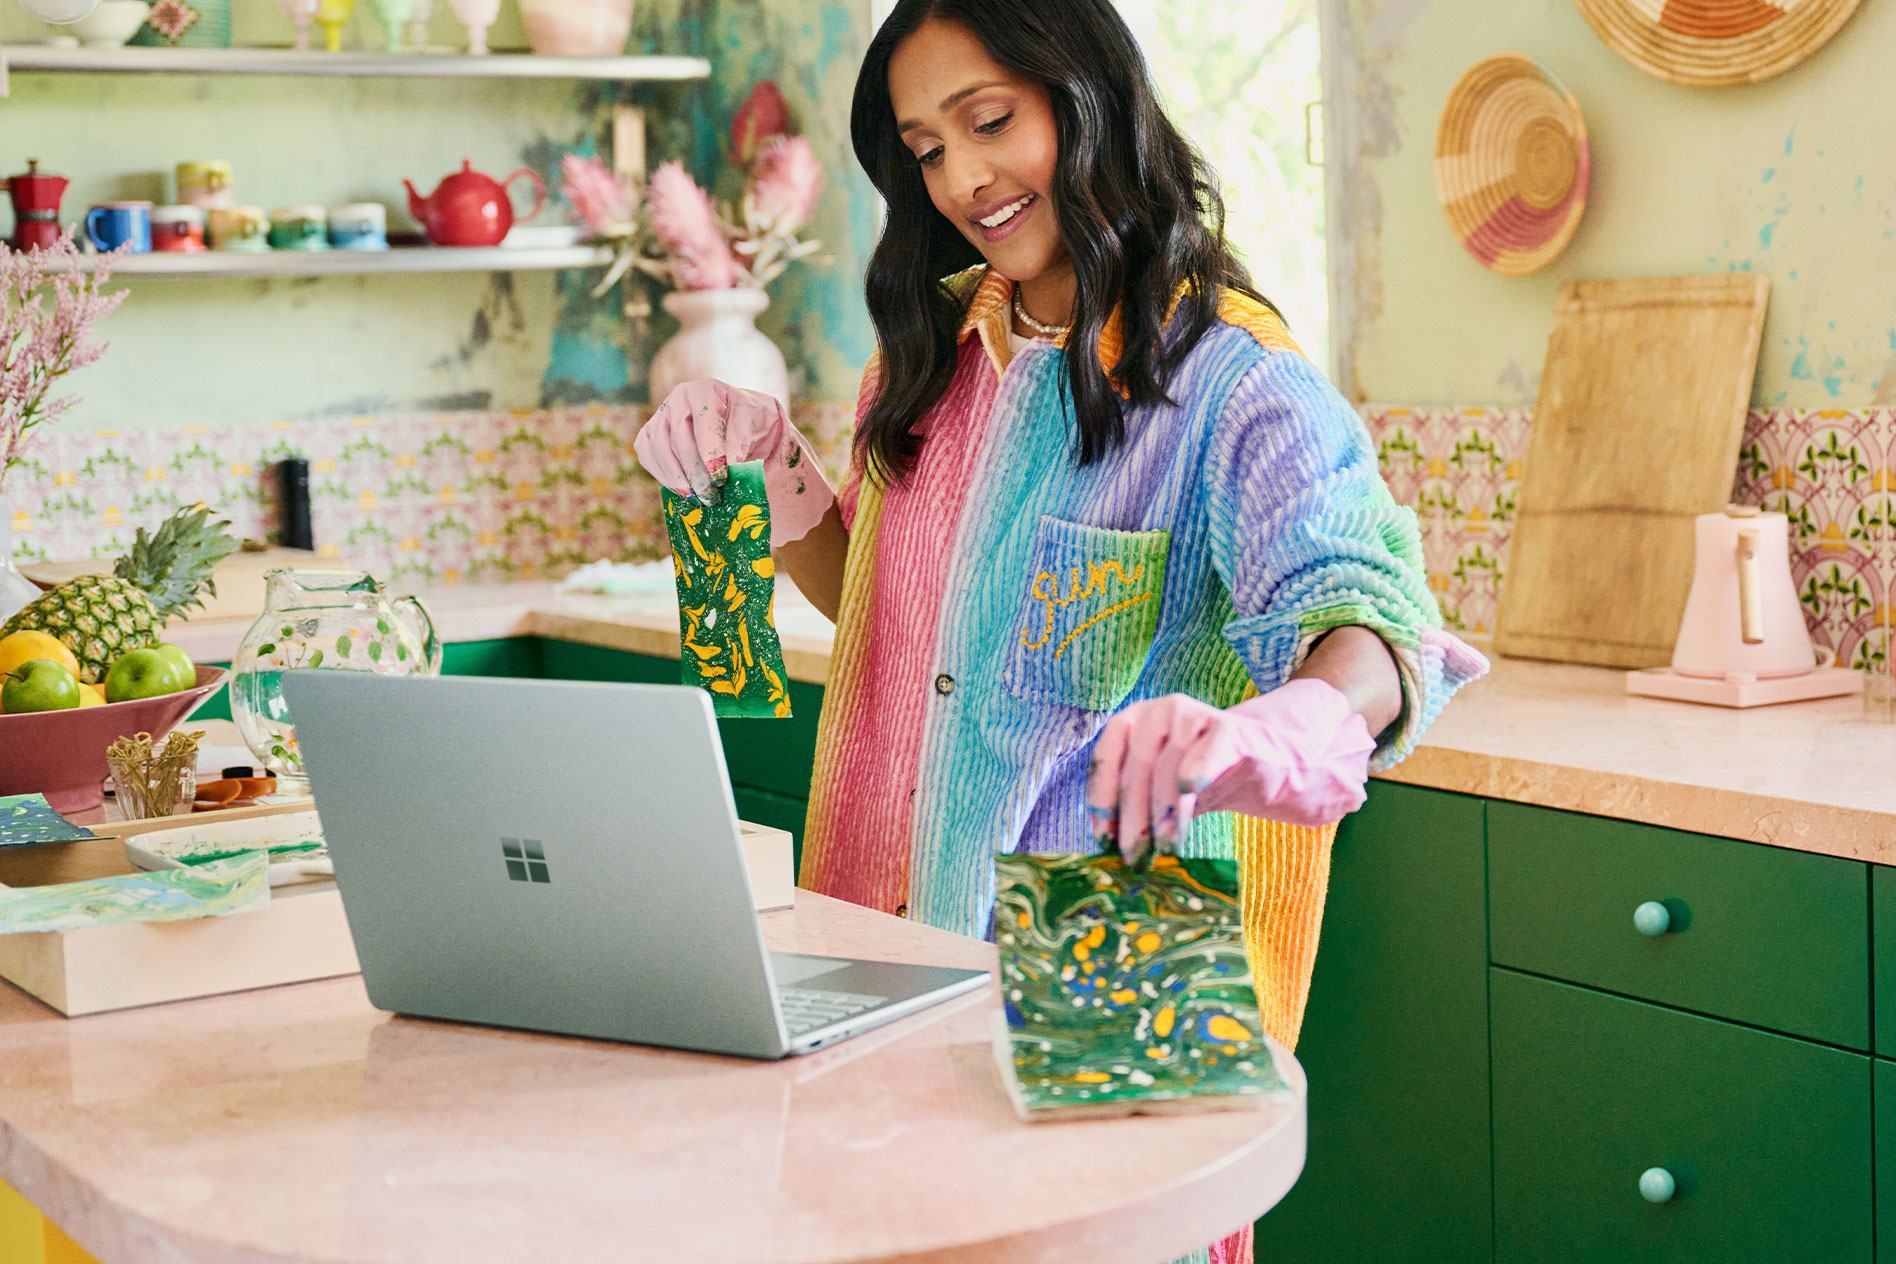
499, 656
1883, 967
1395, 1044
1883, 1088
1599, 1101
1763, 935
770, 760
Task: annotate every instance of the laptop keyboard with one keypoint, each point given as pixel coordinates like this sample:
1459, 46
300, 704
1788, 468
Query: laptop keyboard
806, 1009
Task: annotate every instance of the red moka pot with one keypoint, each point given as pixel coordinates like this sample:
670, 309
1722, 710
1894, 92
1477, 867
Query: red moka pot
35, 207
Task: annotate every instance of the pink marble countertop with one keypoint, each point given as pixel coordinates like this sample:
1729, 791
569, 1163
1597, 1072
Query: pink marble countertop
1811, 776
1814, 776
642, 623
300, 1124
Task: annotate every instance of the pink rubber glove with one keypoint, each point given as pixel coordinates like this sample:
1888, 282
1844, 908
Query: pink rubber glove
703, 427
1297, 754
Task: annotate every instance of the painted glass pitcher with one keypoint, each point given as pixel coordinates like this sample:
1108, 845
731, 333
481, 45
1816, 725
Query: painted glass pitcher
340, 620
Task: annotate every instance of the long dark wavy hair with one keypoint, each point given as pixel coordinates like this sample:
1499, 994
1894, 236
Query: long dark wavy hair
1138, 208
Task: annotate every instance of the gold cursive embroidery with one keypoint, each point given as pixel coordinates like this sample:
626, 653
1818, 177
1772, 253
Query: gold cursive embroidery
1046, 590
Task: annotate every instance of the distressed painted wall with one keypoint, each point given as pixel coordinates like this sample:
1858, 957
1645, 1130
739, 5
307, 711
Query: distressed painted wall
195, 352
1790, 177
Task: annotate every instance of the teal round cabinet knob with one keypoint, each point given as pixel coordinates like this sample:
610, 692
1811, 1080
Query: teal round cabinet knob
1657, 1186
1652, 919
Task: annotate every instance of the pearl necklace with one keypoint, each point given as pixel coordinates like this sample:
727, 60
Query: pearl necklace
1045, 331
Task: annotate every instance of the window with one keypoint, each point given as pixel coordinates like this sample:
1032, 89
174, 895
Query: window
1236, 77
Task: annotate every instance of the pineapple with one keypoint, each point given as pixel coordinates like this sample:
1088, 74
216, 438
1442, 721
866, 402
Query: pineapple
99, 617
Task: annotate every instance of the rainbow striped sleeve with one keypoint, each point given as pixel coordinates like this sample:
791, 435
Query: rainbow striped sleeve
1307, 538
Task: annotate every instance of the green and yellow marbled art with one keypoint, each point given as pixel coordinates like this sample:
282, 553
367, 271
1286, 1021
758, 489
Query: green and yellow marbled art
1124, 989
727, 628
237, 885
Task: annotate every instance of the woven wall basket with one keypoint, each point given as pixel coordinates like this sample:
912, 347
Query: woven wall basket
1511, 164
1709, 43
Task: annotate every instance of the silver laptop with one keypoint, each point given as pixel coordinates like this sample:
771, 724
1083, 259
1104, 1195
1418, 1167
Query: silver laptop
564, 857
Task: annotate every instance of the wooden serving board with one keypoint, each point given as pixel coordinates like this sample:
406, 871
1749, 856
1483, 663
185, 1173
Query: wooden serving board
1636, 432
239, 578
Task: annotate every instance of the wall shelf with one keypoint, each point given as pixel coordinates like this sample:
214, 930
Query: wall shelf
289, 61
300, 263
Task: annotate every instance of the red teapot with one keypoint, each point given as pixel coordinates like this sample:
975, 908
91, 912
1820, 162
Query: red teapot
471, 209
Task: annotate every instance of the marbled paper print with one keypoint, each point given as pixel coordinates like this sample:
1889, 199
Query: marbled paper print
727, 627
240, 884
1127, 989
27, 820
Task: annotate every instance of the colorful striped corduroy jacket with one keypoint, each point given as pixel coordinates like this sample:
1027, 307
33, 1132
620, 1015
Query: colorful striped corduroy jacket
1001, 601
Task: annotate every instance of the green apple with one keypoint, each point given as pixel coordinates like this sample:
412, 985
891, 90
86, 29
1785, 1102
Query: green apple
179, 659
145, 673
39, 684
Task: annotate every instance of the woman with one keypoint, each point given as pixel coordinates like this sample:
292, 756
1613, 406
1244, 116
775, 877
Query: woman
1098, 501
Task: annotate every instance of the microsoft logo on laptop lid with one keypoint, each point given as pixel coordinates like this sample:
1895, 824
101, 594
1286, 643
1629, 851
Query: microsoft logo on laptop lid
526, 861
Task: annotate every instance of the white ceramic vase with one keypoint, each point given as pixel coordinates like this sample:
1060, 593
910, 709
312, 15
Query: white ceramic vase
718, 339
16, 590
577, 28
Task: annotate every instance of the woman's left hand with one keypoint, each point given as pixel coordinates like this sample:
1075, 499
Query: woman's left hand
1297, 754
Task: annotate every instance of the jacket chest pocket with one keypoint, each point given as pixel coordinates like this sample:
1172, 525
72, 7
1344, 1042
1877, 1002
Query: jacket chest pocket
1086, 623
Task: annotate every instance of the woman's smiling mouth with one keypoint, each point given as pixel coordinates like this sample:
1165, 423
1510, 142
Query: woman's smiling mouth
1002, 220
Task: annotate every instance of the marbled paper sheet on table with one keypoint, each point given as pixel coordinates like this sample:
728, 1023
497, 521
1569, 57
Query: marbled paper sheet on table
727, 626
1125, 990
27, 820
237, 885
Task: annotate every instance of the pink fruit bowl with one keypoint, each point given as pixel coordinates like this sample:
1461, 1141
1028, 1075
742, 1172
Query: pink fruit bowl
61, 754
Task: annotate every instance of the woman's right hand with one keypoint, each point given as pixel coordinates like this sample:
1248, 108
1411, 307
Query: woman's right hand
703, 427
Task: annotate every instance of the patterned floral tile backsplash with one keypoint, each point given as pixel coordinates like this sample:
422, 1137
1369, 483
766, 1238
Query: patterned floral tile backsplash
473, 496
412, 497
1832, 471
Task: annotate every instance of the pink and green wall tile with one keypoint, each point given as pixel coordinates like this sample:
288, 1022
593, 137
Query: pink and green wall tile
415, 498
1832, 471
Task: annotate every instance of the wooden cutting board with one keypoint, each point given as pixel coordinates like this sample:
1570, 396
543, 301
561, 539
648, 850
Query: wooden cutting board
1641, 412
239, 578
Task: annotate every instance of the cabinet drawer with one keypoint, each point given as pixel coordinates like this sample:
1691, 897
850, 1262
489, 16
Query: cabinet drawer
1775, 938
1766, 1137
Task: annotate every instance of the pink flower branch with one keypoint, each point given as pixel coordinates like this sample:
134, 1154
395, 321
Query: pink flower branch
39, 346
679, 234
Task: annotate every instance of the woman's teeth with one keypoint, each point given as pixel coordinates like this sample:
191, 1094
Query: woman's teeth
1006, 212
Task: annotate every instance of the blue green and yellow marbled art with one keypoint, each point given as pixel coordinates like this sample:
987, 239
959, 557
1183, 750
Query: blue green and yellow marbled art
237, 885
27, 820
1127, 989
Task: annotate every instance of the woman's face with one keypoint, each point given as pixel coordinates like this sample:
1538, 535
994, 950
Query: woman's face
985, 138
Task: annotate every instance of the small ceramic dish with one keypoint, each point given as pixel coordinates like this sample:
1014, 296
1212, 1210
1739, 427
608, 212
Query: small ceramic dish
541, 237
293, 839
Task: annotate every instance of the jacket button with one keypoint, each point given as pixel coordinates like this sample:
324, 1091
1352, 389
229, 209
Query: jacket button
944, 684
901, 910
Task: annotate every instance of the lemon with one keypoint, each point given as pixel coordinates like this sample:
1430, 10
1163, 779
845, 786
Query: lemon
24, 646
91, 696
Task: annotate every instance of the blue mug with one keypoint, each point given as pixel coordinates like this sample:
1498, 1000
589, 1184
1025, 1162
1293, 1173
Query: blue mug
118, 224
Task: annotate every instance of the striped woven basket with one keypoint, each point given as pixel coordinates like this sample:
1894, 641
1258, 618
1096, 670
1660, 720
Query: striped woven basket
1710, 43
1511, 164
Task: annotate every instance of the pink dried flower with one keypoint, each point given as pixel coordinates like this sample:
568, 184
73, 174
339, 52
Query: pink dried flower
686, 225
764, 114
38, 347
602, 203
787, 181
